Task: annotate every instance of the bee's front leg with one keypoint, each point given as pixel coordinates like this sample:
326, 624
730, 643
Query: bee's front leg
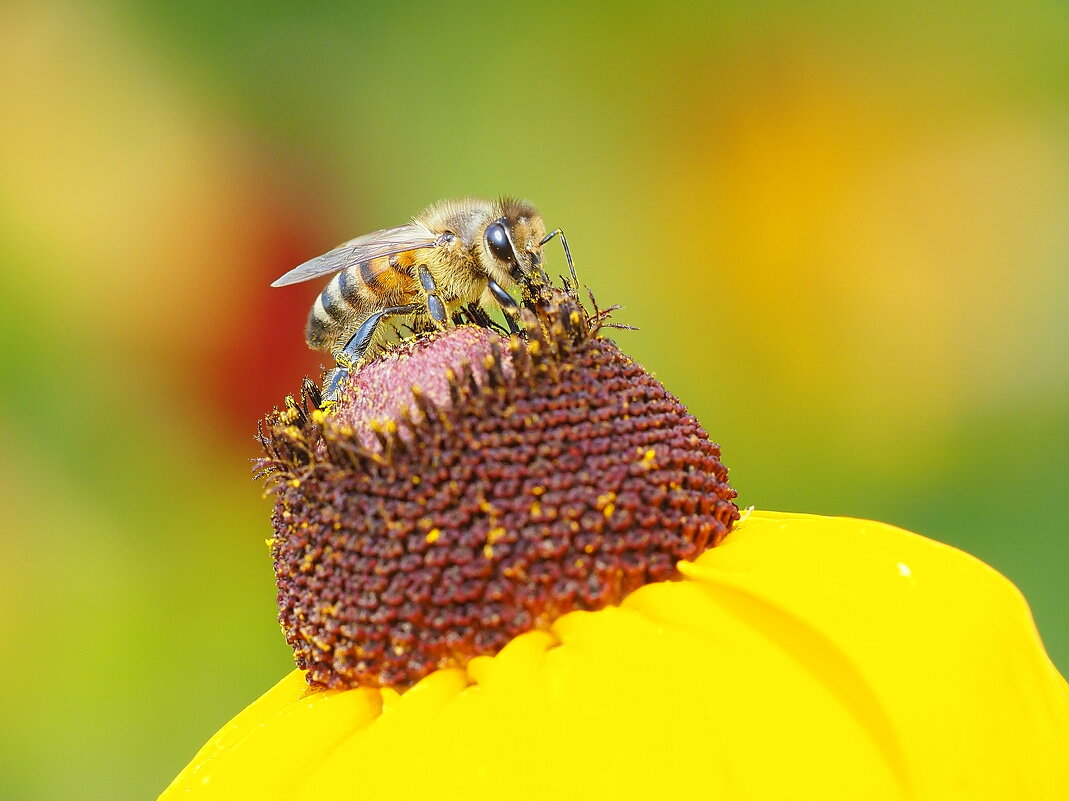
508, 304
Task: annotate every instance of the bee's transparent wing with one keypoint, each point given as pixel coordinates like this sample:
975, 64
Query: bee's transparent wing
375, 245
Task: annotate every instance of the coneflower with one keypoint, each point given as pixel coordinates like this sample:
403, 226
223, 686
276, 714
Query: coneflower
469, 487
439, 534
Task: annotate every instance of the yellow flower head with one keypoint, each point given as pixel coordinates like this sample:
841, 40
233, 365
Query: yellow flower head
804, 657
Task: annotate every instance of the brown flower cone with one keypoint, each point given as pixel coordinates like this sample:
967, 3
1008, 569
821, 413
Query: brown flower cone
469, 487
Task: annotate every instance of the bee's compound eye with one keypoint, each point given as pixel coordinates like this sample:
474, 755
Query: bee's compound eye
498, 242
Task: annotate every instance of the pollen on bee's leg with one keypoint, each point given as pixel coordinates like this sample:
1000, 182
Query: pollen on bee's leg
470, 487
332, 383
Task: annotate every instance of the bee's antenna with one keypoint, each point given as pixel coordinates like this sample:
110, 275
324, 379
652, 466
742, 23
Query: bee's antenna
567, 253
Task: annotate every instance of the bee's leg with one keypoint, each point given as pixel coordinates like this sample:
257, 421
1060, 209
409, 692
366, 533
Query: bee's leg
508, 304
331, 381
434, 303
358, 343
354, 350
478, 315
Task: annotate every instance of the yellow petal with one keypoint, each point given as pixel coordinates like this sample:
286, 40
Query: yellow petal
268, 748
805, 657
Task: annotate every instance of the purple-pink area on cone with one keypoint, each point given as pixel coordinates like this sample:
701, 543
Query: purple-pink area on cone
382, 389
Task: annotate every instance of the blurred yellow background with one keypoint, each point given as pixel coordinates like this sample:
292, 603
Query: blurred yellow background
843, 233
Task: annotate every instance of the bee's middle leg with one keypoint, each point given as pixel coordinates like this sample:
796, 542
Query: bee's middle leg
435, 305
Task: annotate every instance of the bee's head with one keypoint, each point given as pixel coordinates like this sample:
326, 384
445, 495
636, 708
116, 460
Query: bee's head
512, 244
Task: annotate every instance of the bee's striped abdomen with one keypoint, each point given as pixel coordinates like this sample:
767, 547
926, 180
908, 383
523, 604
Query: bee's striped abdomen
339, 302
321, 328
368, 279
349, 286
350, 296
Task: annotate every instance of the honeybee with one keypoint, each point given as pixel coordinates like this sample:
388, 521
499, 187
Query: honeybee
453, 254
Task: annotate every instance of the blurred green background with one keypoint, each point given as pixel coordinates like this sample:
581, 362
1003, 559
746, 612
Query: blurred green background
842, 231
